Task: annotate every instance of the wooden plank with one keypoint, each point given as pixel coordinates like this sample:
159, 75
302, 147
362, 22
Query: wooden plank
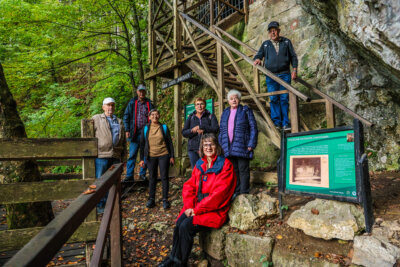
231, 6
246, 10
330, 114
294, 113
314, 101
256, 78
187, 10
61, 176
59, 163
115, 230
47, 148
16, 239
221, 80
41, 249
195, 53
333, 101
178, 114
164, 68
164, 40
42, 191
103, 231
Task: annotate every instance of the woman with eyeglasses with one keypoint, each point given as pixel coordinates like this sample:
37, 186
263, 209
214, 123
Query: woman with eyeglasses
206, 199
200, 122
157, 150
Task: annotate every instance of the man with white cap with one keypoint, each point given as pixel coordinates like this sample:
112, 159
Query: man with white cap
109, 131
136, 116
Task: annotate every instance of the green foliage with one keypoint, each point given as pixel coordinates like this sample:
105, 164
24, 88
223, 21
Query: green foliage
66, 169
62, 58
284, 207
265, 263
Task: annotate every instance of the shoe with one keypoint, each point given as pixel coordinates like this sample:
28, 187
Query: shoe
287, 128
166, 204
142, 177
234, 196
100, 210
151, 203
166, 263
128, 179
279, 128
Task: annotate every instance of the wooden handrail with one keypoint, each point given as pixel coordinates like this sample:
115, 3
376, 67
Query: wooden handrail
42, 248
315, 90
246, 58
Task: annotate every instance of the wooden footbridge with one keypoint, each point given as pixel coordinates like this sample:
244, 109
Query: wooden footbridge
191, 36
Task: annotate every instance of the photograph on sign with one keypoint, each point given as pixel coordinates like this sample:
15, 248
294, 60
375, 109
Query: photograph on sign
309, 170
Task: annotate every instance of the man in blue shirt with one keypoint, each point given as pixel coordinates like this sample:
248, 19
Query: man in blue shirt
109, 131
278, 53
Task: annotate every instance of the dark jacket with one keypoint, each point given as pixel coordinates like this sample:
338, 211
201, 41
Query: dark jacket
278, 63
130, 115
144, 141
208, 123
245, 133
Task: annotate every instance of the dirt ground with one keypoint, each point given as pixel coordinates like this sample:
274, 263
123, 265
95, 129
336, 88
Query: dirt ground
146, 247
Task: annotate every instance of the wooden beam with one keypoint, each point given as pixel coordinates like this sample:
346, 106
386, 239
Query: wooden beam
153, 91
221, 80
47, 148
16, 239
178, 114
334, 102
330, 114
42, 191
59, 162
273, 133
164, 45
231, 6
164, 41
246, 10
168, 66
115, 230
187, 10
256, 80
215, 87
42, 248
88, 164
294, 113
61, 176
195, 53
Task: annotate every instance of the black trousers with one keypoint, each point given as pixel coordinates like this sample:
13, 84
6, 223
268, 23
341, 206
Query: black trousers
242, 170
182, 241
153, 163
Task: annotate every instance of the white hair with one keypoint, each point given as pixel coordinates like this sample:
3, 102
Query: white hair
233, 92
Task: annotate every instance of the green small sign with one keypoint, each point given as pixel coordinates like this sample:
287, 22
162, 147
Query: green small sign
322, 163
190, 108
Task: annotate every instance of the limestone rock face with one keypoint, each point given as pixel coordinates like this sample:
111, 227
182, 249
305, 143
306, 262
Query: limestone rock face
349, 50
283, 258
213, 242
246, 250
335, 219
252, 211
369, 251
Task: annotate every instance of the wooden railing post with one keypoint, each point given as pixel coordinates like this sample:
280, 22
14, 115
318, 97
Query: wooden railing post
115, 229
256, 79
211, 13
221, 81
330, 114
246, 10
294, 112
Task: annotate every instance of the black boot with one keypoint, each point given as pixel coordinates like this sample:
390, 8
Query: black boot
166, 204
166, 263
150, 203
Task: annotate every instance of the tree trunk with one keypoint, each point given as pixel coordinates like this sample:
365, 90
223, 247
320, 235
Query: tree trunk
11, 126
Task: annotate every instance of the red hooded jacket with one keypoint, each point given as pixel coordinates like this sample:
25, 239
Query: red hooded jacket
219, 183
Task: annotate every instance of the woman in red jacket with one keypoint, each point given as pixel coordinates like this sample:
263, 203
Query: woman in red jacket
206, 199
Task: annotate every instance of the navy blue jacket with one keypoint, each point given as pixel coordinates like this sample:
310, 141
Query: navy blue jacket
278, 63
208, 123
130, 115
245, 133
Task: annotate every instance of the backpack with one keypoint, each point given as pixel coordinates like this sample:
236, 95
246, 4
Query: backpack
164, 127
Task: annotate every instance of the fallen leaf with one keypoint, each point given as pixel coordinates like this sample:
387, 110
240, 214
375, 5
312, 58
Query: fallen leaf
60, 258
350, 254
279, 236
89, 191
369, 154
314, 211
261, 233
317, 254
92, 186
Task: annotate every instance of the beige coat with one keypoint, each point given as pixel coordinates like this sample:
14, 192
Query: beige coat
103, 133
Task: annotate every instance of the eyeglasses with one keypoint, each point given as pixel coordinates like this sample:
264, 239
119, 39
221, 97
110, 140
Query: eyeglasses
209, 145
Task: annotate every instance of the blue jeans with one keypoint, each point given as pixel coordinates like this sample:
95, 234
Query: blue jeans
194, 157
279, 103
101, 166
133, 151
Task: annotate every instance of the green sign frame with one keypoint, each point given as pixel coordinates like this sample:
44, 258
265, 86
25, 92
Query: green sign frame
328, 164
190, 108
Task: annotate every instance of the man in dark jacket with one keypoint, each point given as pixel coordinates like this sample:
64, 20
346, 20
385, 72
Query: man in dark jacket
136, 116
278, 53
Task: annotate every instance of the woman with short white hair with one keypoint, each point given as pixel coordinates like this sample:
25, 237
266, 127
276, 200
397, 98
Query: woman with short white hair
238, 138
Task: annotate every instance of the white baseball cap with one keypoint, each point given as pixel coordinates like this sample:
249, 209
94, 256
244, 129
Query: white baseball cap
108, 100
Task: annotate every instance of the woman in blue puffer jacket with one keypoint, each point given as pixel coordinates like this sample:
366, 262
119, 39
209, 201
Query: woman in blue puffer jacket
238, 138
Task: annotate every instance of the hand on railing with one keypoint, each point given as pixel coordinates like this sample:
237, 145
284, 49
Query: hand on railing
257, 62
294, 74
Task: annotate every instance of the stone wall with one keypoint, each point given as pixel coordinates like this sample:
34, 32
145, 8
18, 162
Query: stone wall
350, 50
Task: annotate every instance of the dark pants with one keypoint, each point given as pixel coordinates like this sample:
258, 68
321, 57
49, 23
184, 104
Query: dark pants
279, 103
194, 157
152, 165
242, 170
182, 241
101, 166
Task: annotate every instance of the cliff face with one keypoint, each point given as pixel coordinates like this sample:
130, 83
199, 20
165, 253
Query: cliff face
349, 50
